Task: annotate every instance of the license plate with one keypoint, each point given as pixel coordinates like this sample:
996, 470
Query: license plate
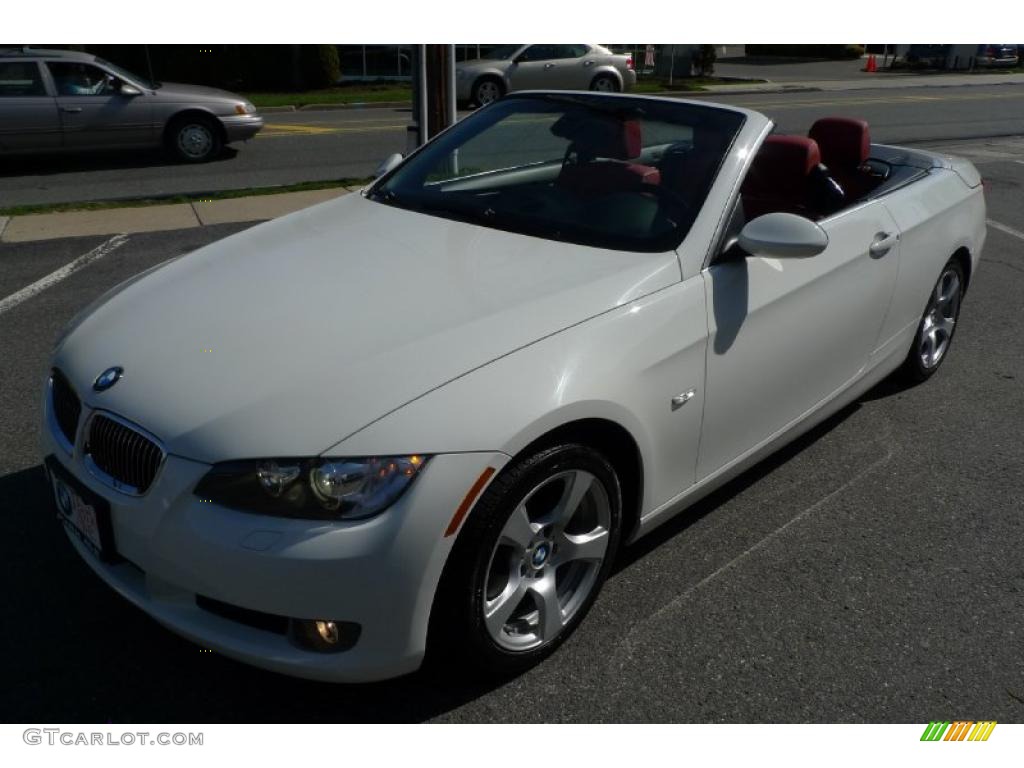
85, 515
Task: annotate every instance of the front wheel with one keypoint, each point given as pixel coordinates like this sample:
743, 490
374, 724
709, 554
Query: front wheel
194, 139
937, 325
529, 561
486, 90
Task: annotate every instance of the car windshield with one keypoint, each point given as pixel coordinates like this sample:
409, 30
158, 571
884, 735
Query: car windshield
612, 172
124, 74
503, 52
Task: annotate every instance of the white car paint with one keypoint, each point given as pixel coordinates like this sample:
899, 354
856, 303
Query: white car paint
358, 329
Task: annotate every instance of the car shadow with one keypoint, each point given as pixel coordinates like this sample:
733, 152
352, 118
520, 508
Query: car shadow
98, 160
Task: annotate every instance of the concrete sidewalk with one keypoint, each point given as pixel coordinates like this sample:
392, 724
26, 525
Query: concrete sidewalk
156, 218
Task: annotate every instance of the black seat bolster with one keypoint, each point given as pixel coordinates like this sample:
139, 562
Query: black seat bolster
824, 194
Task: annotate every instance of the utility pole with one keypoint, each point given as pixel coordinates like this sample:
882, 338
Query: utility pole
433, 79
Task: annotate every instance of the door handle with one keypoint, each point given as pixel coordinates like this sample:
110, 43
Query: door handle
588, 63
71, 109
548, 66
882, 244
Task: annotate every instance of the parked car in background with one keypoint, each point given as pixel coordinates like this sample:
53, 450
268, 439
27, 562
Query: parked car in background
551, 67
54, 101
997, 55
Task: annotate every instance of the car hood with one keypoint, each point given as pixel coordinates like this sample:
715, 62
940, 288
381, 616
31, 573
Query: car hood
292, 335
179, 91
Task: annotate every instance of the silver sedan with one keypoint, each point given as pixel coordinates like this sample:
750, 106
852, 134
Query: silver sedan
54, 101
507, 68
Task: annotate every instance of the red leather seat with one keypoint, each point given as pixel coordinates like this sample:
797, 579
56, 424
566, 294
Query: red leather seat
602, 148
779, 177
845, 145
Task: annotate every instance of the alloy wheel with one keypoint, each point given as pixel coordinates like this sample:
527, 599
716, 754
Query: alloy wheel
939, 319
487, 92
547, 560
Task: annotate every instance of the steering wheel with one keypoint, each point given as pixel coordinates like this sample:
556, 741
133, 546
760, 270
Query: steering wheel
670, 198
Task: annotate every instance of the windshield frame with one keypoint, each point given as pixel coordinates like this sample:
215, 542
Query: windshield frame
558, 230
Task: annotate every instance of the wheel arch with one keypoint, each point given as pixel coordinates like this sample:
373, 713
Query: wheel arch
612, 72
963, 257
488, 75
617, 445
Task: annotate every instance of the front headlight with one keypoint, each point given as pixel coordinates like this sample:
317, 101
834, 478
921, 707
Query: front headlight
317, 488
245, 108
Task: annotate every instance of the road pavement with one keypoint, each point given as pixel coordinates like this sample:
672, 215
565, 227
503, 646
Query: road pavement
316, 146
869, 572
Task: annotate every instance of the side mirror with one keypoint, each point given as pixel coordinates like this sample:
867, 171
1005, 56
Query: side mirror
783, 236
126, 89
388, 165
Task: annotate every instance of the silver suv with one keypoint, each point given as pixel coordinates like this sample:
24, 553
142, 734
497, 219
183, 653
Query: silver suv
54, 101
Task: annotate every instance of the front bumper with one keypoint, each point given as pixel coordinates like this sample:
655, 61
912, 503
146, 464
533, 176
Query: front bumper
380, 573
241, 127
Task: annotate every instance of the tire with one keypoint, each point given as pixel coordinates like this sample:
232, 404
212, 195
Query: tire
194, 139
937, 326
605, 83
486, 90
521, 577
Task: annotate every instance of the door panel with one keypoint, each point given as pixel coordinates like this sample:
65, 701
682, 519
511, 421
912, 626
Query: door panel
93, 114
786, 334
548, 66
28, 114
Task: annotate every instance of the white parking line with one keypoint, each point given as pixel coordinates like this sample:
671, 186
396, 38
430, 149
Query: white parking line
64, 272
1003, 228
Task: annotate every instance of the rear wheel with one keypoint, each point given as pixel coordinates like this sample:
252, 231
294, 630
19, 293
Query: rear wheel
604, 83
938, 324
529, 561
194, 139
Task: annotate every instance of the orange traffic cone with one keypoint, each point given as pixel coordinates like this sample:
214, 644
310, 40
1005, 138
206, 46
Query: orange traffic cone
872, 64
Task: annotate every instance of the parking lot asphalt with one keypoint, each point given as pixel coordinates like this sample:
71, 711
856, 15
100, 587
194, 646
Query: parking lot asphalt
870, 572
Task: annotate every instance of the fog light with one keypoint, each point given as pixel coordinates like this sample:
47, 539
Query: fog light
328, 632
325, 635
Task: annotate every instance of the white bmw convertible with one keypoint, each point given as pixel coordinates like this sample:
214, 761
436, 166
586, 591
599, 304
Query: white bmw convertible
421, 421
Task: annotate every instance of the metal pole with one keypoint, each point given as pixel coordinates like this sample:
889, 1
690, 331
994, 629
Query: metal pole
452, 114
424, 131
364, 62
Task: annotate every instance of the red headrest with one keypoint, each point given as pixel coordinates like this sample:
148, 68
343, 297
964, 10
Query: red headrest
610, 137
844, 142
782, 164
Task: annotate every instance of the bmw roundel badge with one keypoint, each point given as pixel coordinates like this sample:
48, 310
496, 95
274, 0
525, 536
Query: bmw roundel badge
107, 379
